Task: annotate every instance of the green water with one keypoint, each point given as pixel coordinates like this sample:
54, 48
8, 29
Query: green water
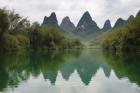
73, 71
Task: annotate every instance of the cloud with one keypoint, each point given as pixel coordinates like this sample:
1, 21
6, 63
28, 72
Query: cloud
100, 10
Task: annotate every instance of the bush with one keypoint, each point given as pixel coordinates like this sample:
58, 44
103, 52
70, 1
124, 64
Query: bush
15, 43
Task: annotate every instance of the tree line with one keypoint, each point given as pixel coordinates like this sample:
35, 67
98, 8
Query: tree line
125, 38
18, 34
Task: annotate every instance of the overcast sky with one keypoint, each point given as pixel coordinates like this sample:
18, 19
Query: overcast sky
100, 10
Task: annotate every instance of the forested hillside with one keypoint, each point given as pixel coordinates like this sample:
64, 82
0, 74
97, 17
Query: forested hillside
125, 38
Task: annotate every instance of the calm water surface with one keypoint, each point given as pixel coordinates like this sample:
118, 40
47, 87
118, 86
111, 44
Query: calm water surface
73, 71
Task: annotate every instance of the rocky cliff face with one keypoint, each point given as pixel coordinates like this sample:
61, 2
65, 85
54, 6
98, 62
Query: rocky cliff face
107, 26
86, 25
51, 20
67, 25
86, 28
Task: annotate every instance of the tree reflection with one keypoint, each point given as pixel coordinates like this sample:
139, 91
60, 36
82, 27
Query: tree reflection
125, 65
15, 68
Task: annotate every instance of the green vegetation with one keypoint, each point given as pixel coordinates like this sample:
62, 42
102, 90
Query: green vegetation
18, 34
124, 65
126, 38
17, 68
50, 38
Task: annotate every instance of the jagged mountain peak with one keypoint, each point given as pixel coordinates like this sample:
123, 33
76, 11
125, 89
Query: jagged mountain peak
85, 18
53, 14
107, 22
87, 14
131, 17
66, 19
107, 26
51, 20
86, 25
67, 25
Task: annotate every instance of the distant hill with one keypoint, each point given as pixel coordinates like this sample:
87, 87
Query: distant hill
131, 17
86, 25
121, 22
126, 37
67, 27
107, 26
86, 29
51, 20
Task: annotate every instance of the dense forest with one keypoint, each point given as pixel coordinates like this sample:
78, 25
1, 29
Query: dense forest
18, 34
124, 38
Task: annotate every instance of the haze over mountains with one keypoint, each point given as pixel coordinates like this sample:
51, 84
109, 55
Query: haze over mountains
67, 27
86, 27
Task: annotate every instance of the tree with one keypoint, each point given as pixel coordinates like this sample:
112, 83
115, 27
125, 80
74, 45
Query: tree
16, 22
4, 24
125, 38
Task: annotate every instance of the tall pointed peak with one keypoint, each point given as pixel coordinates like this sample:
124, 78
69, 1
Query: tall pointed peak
86, 18
87, 15
66, 18
86, 24
107, 22
107, 25
67, 25
53, 14
51, 20
131, 17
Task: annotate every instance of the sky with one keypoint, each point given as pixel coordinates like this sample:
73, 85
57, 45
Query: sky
100, 10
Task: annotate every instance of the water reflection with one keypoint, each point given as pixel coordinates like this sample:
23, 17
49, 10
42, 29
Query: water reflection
125, 65
17, 68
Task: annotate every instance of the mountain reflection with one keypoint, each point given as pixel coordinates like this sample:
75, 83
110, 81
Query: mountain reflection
16, 68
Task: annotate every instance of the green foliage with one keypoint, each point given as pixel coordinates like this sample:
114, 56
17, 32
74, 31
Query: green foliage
50, 38
71, 43
3, 21
16, 34
125, 38
15, 43
124, 64
16, 22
